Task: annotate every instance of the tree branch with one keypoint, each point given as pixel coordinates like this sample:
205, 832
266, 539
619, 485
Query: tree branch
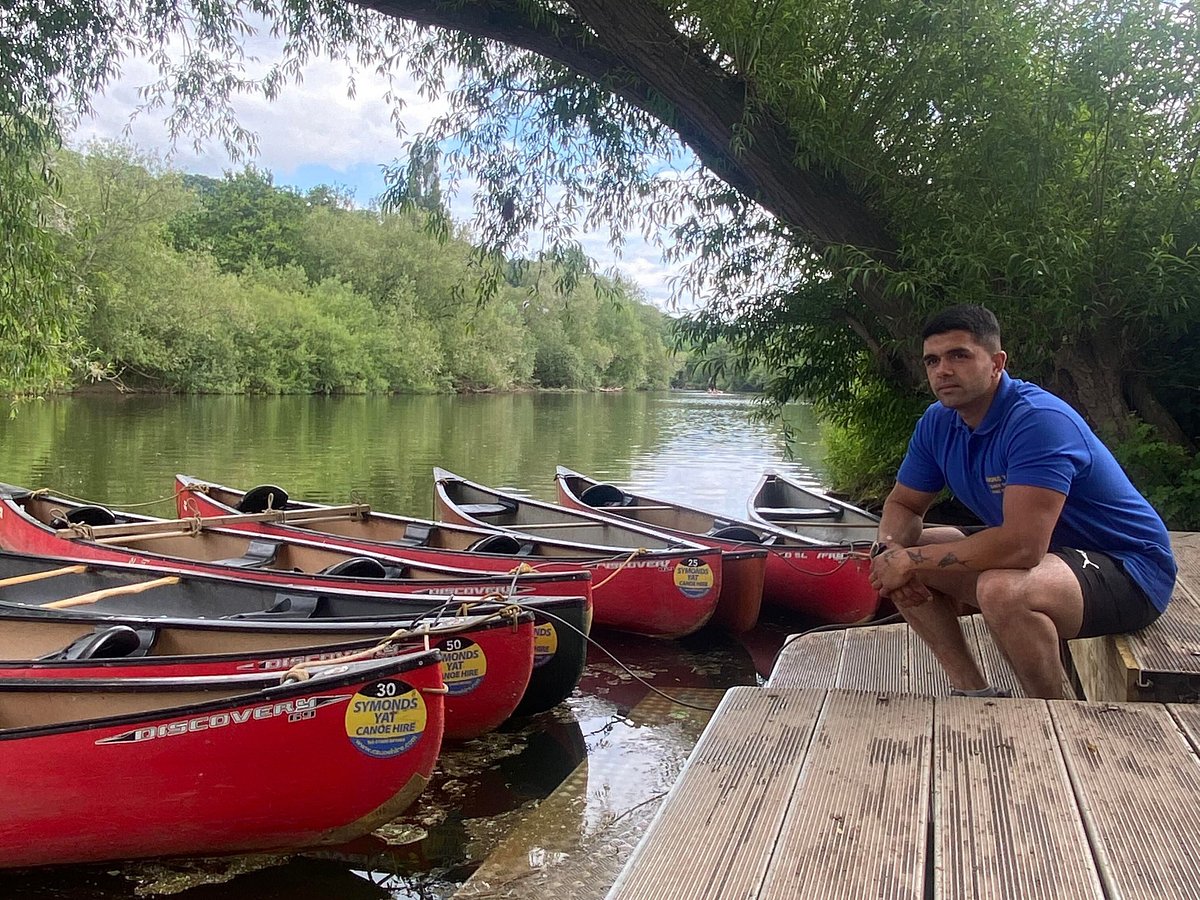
634, 49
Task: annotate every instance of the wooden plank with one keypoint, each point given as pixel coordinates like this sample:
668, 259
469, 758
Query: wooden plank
875, 659
714, 834
809, 661
1172, 643
186, 525
1004, 816
1161, 662
1138, 786
40, 576
858, 821
575, 842
1107, 670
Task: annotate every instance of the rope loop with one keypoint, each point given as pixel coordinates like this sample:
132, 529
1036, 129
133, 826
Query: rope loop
79, 530
295, 675
640, 551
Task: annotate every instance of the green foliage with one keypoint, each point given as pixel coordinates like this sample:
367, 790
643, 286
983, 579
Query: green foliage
241, 220
39, 302
1167, 474
243, 309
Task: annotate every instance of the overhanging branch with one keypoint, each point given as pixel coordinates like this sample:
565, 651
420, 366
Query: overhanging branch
634, 49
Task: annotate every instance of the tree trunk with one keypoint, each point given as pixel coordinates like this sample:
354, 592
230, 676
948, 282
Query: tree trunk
1091, 380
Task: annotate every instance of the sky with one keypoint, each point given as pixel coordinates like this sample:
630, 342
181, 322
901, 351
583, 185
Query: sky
315, 133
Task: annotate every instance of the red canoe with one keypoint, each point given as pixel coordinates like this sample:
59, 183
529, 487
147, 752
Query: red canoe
616, 576
823, 582
45, 525
103, 769
672, 583
741, 570
486, 661
304, 615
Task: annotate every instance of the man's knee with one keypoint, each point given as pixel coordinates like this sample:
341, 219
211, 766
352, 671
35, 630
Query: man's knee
999, 595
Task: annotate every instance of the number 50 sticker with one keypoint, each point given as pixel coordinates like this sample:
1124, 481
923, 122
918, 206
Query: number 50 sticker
463, 665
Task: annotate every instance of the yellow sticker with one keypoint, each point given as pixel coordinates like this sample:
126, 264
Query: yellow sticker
385, 718
694, 577
463, 665
545, 643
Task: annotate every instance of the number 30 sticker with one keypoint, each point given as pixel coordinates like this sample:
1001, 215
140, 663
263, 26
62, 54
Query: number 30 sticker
385, 718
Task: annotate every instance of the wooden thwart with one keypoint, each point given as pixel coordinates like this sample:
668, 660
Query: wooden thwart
94, 596
39, 576
185, 526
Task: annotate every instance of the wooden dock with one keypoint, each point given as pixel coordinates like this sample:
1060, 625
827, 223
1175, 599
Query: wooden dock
851, 773
830, 793
1161, 662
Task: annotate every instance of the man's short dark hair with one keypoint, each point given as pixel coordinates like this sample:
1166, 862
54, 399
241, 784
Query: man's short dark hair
977, 320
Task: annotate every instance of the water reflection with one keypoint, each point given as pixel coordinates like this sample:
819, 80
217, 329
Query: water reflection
124, 450
544, 805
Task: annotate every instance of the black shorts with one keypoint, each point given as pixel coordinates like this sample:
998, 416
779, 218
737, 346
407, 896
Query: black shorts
1113, 603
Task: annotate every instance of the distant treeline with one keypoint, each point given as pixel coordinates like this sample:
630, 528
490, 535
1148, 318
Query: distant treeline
234, 285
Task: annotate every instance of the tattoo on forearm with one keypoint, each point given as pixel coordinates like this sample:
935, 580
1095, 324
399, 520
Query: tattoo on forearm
950, 560
915, 556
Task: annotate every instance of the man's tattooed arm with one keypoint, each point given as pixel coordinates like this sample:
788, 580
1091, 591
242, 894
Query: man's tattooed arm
950, 560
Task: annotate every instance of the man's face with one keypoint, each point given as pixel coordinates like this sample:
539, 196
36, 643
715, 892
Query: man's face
962, 373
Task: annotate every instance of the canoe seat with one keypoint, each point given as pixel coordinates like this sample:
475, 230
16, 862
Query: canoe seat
258, 554
605, 495
502, 544
738, 533
286, 606
263, 497
84, 515
416, 534
484, 510
112, 642
795, 514
357, 567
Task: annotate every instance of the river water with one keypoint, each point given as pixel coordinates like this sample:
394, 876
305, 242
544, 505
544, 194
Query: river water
545, 807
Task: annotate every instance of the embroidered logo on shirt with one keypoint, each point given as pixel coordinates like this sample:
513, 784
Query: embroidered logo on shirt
996, 483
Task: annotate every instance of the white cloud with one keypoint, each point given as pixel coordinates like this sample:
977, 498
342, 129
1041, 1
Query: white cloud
314, 132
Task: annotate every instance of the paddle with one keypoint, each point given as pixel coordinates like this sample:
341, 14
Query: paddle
83, 599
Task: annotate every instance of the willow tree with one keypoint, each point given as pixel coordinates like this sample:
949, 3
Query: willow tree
859, 164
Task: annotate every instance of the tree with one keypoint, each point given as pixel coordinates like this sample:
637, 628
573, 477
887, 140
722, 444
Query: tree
243, 219
862, 163
1040, 158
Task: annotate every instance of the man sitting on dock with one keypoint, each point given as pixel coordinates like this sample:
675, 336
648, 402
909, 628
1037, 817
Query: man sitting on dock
1070, 548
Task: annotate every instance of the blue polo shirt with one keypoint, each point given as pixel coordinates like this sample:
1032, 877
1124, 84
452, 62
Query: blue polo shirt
1031, 437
